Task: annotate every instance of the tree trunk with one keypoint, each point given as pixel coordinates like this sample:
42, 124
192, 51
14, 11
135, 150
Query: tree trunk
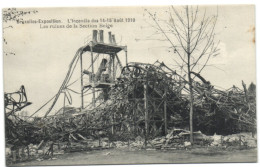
191, 109
191, 98
189, 76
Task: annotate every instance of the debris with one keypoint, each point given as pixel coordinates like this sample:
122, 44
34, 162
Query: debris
217, 140
108, 153
120, 117
251, 143
8, 151
187, 144
150, 149
40, 145
81, 136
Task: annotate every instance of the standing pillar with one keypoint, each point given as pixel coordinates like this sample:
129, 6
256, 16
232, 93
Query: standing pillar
93, 79
114, 70
146, 113
165, 111
64, 103
94, 37
110, 37
81, 81
126, 61
101, 36
113, 127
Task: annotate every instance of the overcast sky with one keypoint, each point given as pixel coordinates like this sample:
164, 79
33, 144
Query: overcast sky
43, 55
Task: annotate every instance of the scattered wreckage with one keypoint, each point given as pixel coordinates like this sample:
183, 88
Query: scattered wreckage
141, 106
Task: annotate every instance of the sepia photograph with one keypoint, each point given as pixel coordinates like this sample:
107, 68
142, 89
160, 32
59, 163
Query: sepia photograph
129, 85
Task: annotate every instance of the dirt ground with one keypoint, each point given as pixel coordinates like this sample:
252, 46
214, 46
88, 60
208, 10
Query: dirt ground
126, 156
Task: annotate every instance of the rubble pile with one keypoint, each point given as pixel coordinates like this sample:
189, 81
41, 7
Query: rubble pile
125, 119
176, 139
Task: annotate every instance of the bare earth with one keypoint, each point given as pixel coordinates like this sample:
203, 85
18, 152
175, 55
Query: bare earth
115, 156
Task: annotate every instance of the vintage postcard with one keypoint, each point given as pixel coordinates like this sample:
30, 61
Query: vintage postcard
129, 85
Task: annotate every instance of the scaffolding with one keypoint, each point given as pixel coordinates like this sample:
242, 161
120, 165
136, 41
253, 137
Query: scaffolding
103, 76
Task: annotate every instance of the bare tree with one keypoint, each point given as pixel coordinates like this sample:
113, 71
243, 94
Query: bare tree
13, 15
191, 35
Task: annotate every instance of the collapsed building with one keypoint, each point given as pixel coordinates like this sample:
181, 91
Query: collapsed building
137, 100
